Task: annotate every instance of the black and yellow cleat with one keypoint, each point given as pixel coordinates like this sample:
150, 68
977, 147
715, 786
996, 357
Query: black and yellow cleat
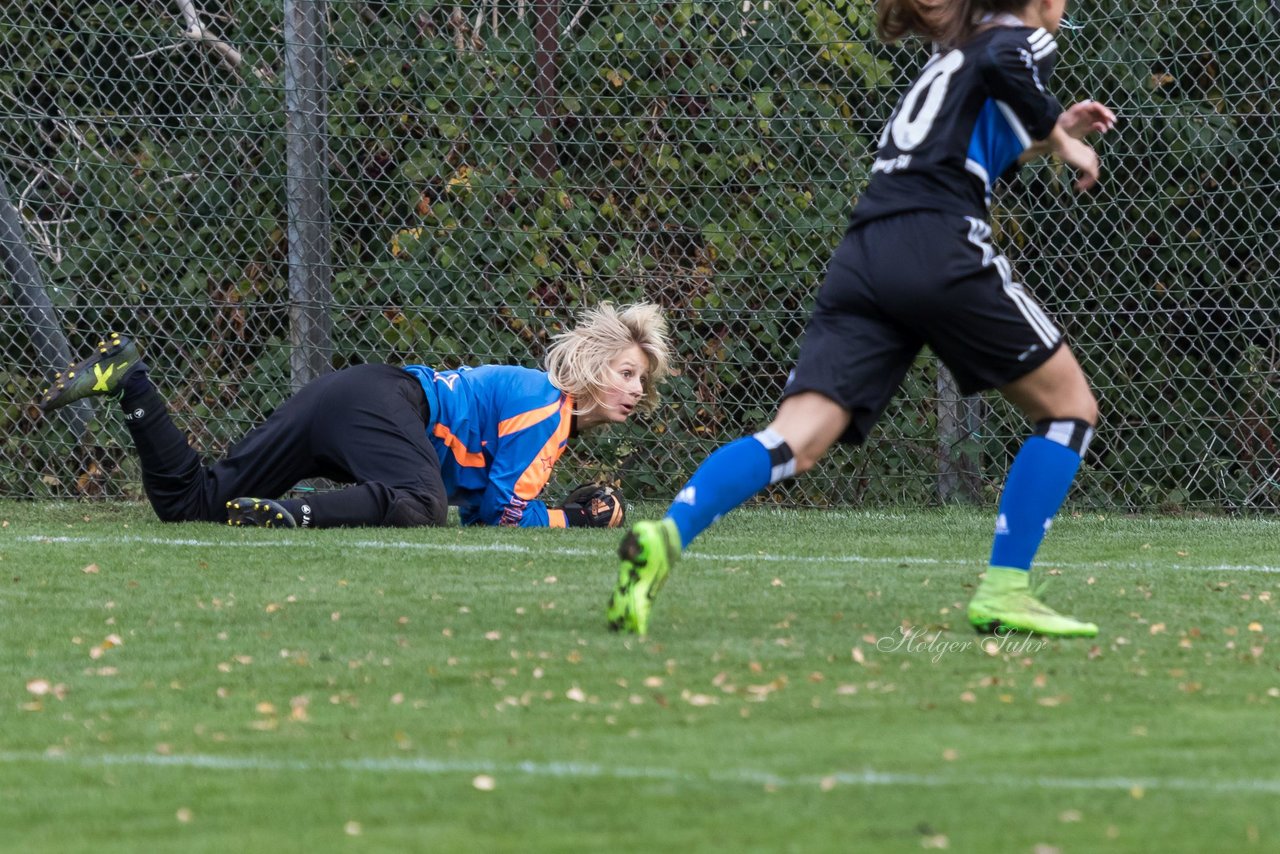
103, 372
259, 513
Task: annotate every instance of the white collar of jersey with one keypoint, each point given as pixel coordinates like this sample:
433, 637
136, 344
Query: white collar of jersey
1003, 19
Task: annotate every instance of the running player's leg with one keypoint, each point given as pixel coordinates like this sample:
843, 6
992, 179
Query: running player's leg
805, 427
851, 363
992, 334
1057, 399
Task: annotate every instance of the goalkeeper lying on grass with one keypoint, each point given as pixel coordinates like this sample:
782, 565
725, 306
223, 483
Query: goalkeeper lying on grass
411, 440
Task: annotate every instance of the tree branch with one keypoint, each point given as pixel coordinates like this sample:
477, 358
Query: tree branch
195, 30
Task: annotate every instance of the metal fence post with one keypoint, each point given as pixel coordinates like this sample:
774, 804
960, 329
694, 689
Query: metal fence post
959, 418
41, 318
307, 189
481, 172
546, 62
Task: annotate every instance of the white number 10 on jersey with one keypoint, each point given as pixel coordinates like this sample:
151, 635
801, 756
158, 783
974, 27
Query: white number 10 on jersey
914, 120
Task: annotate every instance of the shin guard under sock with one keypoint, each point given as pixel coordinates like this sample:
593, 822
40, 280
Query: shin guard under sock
1038, 482
731, 475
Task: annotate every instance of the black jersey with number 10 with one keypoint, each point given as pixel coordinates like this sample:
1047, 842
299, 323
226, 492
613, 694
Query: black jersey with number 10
963, 124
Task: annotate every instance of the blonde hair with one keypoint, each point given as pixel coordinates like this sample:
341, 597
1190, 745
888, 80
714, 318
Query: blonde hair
578, 359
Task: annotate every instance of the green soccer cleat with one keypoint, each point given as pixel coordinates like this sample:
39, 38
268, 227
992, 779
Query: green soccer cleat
647, 551
101, 373
259, 513
1004, 602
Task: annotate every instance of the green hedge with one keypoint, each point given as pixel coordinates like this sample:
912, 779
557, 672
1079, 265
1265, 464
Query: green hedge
706, 158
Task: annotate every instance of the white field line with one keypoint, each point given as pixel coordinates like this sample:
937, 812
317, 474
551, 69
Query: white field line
588, 771
287, 542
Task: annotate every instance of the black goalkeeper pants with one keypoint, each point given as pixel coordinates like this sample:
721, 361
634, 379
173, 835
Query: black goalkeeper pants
364, 425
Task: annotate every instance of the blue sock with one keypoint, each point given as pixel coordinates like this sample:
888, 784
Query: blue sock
1038, 482
731, 475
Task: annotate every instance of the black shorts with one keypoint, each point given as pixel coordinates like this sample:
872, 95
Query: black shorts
898, 283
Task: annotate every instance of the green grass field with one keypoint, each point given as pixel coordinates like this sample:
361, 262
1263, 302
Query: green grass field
198, 688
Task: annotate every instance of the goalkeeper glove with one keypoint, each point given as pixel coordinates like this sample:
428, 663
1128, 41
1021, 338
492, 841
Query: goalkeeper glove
593, 505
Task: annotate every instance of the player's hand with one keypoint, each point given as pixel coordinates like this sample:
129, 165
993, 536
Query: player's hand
1086, 117
1083, 158
593, 505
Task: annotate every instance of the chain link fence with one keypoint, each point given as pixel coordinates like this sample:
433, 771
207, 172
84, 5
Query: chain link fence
262, 190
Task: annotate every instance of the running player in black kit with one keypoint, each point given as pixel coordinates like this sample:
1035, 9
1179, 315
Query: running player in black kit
917, 267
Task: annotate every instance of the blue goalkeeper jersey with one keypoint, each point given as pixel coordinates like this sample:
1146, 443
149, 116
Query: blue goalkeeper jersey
498, 430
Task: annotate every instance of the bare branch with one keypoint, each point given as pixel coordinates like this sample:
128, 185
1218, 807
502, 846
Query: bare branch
458, 21
185, 176
165, 49
577, 16
45, 234
196, 31
62, 124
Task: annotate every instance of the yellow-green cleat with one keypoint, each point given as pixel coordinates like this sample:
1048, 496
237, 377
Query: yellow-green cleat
1004, 602
647, 552
102, 372
259, 513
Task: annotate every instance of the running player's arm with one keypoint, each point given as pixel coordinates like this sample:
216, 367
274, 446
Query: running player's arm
531, 437
1016, 68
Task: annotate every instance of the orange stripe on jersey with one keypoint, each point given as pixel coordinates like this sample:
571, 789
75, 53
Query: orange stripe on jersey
535, 477
460, 452
556, 518
526, 419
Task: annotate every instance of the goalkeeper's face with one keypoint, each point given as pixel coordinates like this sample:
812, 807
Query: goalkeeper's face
626, 376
